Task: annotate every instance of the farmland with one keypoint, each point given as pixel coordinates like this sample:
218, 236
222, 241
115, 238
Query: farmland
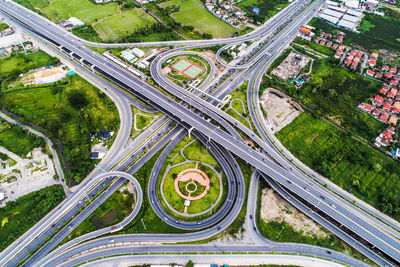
194, 13
114, 27
352, 165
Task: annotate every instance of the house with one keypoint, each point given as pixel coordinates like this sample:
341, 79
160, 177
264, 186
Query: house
329, 44
370, 73
386, 134
394, 83
390, 129
385, 68
383, 90
378, 75
323, 42
388, 75
317, 39
393, 70
365, 107
322, 34
374, 56
393, 120
384, 117
376, 112
335, 46
388, 101
396, 107
339, 39
372, 63
359, 53
387, 107
392, 93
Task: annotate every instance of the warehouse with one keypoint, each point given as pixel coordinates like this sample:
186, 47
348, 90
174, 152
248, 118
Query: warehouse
329, 19
332, 13
347, 24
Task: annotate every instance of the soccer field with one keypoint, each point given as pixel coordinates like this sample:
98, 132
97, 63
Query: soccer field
187, 68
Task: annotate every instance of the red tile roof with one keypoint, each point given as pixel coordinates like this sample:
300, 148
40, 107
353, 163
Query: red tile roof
393, 120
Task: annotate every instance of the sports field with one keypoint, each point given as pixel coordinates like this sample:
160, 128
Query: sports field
194, 13
122, 24
187, 68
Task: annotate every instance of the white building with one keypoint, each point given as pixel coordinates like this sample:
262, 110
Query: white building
333, 13
354, 4
76, 22
1, 196
330, 19
127, 54
139, 53
347, 24
350, 18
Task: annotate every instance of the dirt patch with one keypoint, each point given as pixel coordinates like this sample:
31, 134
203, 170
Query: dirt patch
213, 58
280, 109
96, 222
275, 208
44, 76
110, 217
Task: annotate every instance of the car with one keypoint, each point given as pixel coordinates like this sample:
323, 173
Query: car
328, 252
321, 197
112, 227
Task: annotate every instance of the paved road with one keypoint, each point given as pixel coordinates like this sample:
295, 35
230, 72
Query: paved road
230, 259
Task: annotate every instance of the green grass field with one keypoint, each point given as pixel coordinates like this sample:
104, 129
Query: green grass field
196, 151
55, 109
194, 13
367, 173
17, 140
20, 215
19, 63
118, 205
267, 8
196, 206
81, 9
123, 24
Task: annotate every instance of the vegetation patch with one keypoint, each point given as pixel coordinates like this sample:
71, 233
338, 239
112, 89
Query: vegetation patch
354, 166
376, 32
17, 140
20, 215
267, 8
118, 206
71, 112
334, 93
194, 13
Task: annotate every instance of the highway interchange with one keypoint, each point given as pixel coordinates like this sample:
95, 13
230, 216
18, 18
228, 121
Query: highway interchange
377, 239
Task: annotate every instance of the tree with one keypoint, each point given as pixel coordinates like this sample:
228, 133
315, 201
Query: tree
77, 99
189, 264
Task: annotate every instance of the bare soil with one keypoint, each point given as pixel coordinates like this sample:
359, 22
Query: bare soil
275, 208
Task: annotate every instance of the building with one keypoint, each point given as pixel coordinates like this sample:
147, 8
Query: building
127, 54
353, 4
393, 120
76, 22
370, 73
139, 53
